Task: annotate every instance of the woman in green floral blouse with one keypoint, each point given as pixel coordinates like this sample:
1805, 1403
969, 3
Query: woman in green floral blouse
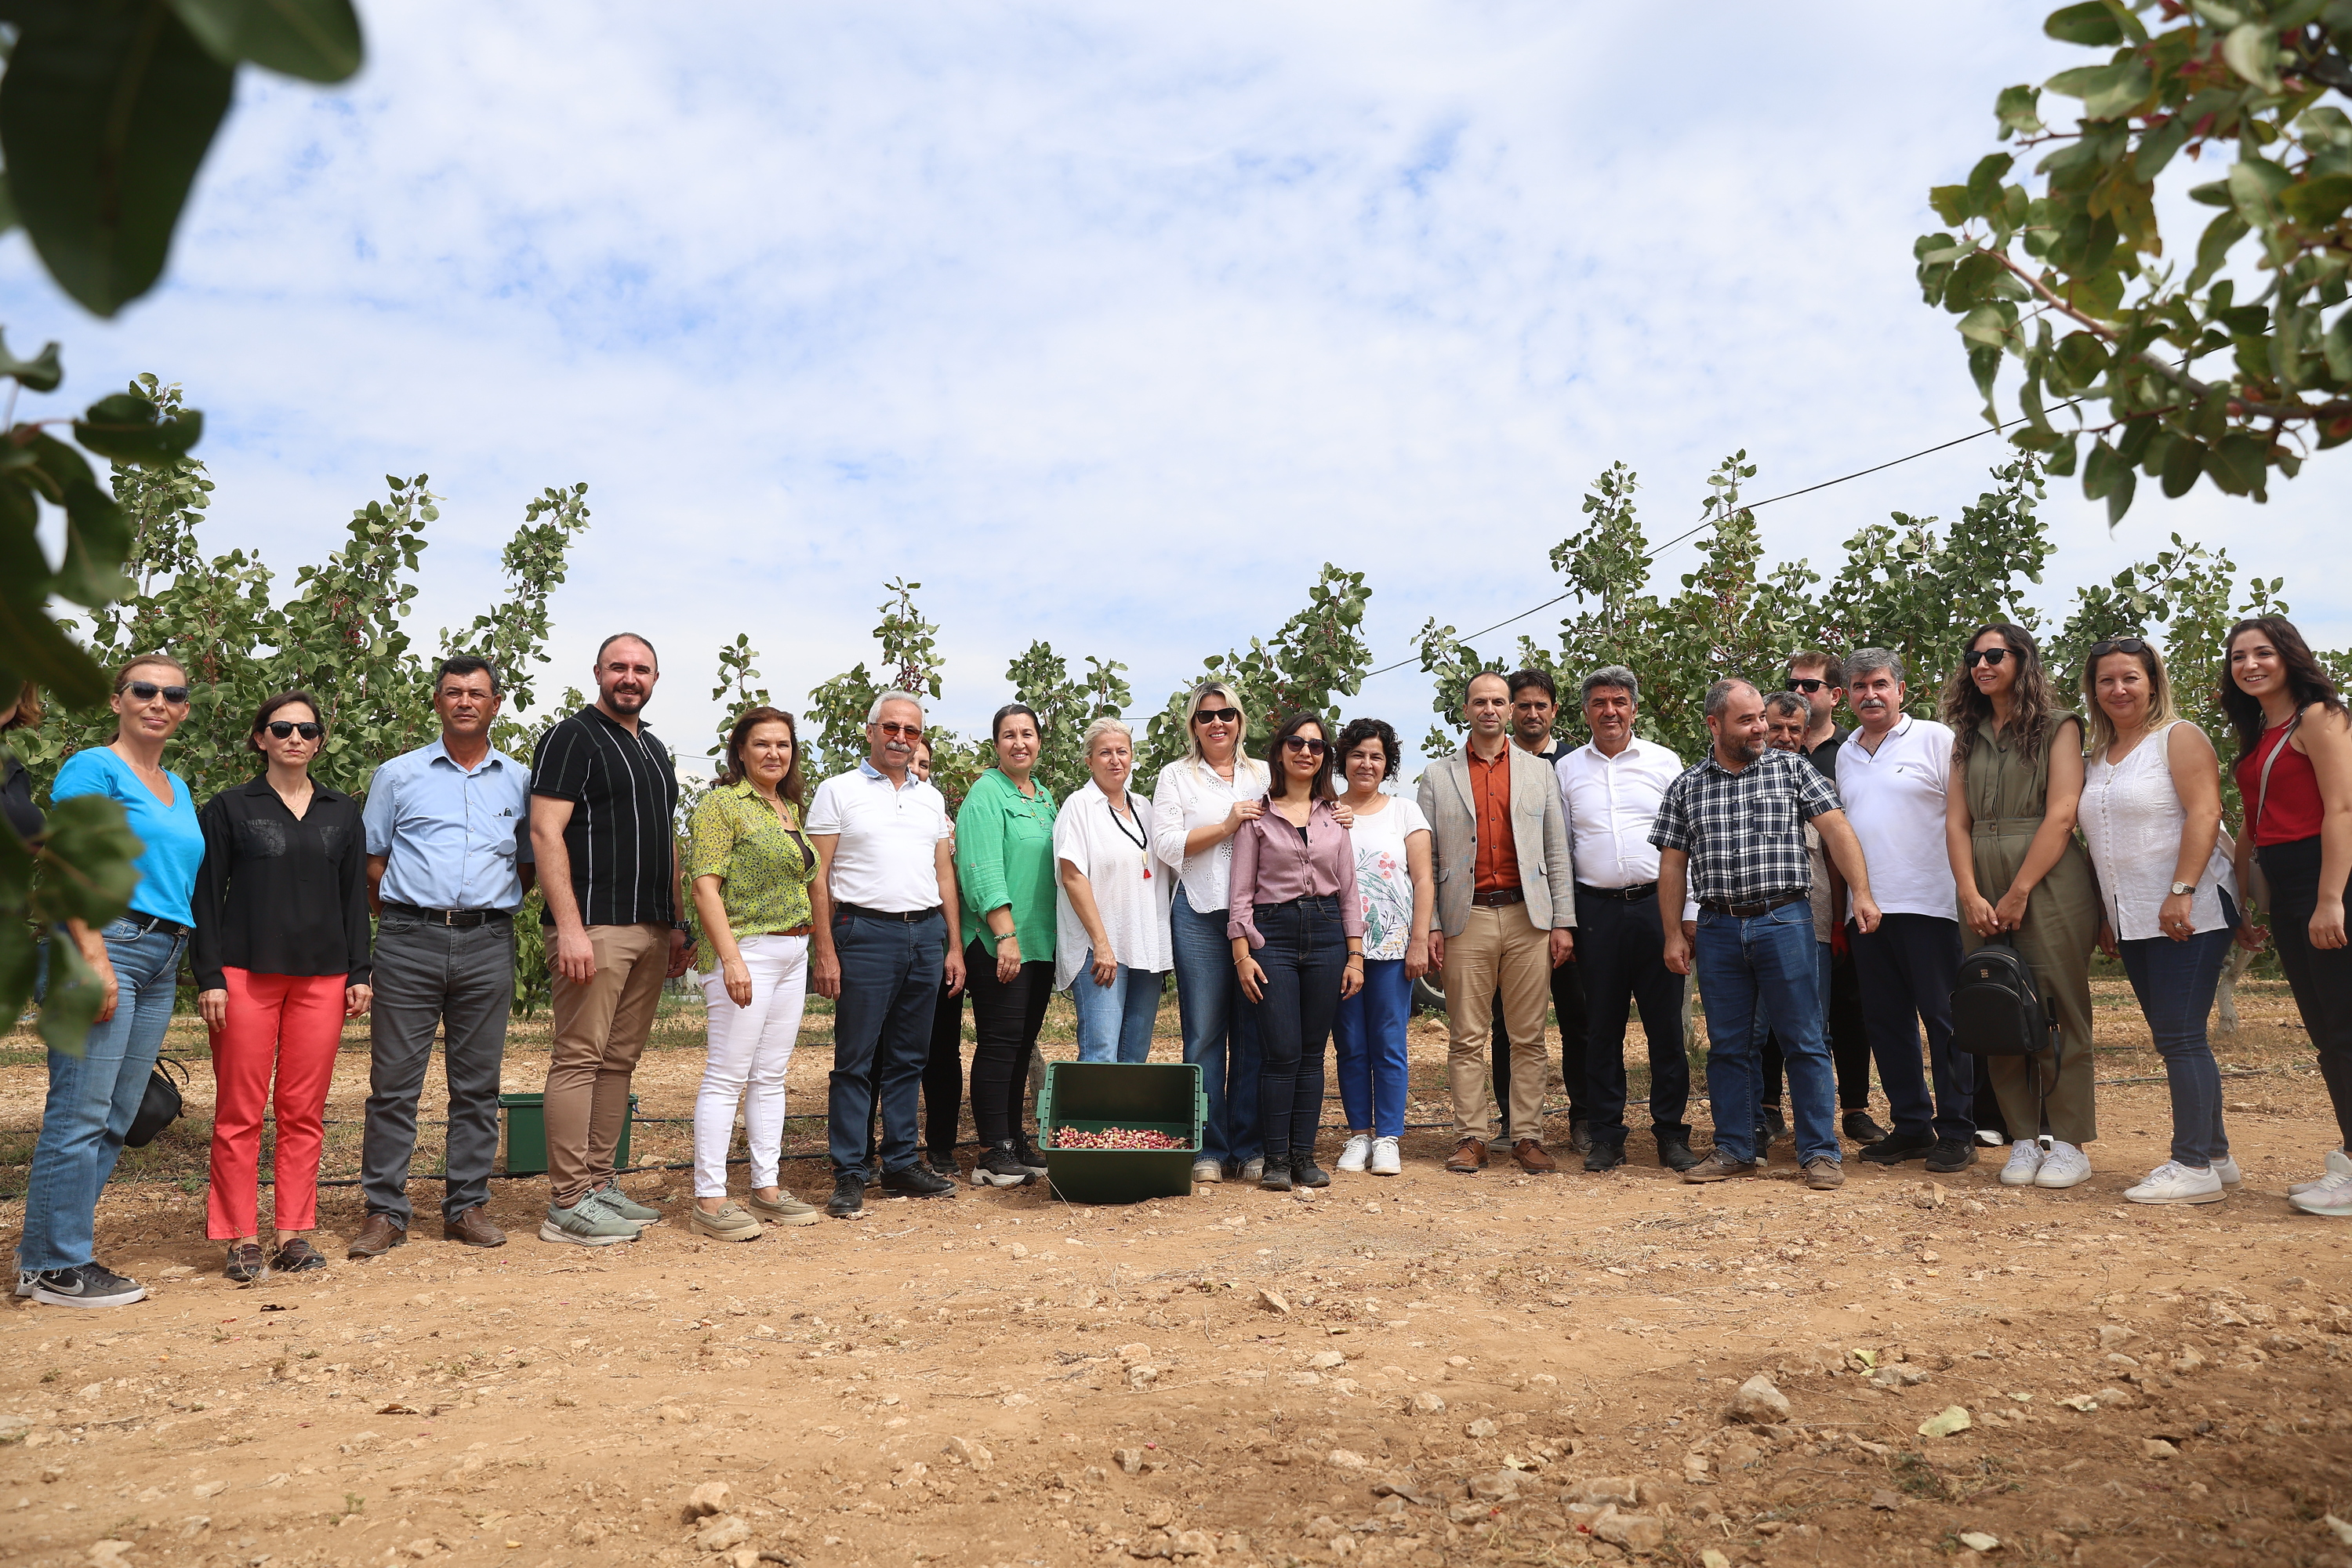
751, 868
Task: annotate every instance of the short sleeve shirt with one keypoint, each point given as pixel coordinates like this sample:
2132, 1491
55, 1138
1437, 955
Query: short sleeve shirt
765, 865
1383, 875
624, 794
885, 856
1894, 799
1744, 832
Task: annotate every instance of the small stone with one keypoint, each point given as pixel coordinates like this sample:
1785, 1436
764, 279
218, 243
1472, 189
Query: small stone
1978, 1541
1603, 1491
1711, 1558
1193, 1544
676, 1413
1323, 1361
722, 1532
1634, 1532
1272, 1300
1926, 1194
2115, 1336
1482, 1427
1130, 1460
1129, 1354
1142, 1376
2343, 1530
2189, 1360
1761, 1402
1887, 1500
1017, 1251
708, 1499
589, 1531
1951, 1419
969, 1452
1694, 1467
2156, 1449
109, 1554
1427, 1404
1345, 1459
1500, 1486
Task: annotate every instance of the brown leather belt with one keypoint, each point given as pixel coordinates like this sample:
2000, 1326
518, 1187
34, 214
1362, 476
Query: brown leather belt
1499, 898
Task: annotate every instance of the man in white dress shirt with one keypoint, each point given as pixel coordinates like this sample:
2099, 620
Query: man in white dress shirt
1612, 788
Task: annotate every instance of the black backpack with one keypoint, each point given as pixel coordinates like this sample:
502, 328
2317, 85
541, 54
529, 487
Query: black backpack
1998, 1012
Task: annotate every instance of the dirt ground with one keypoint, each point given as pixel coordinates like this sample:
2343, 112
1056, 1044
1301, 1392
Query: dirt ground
1425, 1370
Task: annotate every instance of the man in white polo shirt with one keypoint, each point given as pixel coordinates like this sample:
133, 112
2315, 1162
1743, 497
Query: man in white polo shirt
1891, 774
883, 911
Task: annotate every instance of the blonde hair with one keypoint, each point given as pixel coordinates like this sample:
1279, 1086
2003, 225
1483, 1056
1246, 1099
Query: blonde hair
1244, 765
1097, 731
2160, 710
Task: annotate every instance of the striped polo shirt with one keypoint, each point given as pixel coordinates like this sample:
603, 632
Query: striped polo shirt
624, 795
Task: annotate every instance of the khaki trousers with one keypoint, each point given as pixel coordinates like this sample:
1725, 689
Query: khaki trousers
601, 1029
1499, 949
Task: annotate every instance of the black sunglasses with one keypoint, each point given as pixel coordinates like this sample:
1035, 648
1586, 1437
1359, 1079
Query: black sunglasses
2100, 650
281, 728
1301, 743
147, 690
1216, 715
1803, 683
1991, 656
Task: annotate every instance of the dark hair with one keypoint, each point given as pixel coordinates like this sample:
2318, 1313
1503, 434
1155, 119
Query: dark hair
1279, 784
1814, 659
1718, 694
2306, 676
1787, 702
29, 712
1968, 712
464, 664
996, 724
1520, 679
627, 637
792, 788
284, 700
1359, 730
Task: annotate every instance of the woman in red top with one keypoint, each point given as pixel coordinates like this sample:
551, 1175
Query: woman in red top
2295, 779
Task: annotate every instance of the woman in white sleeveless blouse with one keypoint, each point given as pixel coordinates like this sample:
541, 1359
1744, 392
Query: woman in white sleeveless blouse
2152, 812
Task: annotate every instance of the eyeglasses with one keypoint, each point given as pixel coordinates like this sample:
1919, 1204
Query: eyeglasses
905, 732
2100, 650
147, 691
1991, 656
1803, 683
281, 728
1217, 716
1301, 743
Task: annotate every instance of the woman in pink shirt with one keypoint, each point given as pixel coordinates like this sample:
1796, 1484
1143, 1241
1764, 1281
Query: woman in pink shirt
1298, 931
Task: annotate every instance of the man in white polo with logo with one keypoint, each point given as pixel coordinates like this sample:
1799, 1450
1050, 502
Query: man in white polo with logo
1893, 774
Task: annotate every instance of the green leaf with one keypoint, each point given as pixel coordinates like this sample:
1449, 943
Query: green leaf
2254, 186
318, 41
34, 647
2212, 193
2082, 358
128, 428
2317, 203
2107, 91
2100, 471
2119, 499
2237, 465
40, 374
2336, 346
2017, 110
1989, 323
1951, 203
106, 112
1984, 181
2213, 246
2250, 50
2090, 24
2182, 464
2060, 460
70, 1004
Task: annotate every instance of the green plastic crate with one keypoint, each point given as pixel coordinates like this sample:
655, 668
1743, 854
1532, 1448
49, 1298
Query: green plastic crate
522, 1134
1162, 1096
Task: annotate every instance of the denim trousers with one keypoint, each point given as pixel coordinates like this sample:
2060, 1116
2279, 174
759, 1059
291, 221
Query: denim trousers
1907, 968
92, 1098
1767, 960
1304, 958
881, 1033
1115, 1021
2321, 978
1767, 1048
1368, 1037
1621, 950
1220, 1031
2174, 982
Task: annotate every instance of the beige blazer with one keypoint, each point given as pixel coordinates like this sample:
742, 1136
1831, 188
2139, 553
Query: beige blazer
1538, 831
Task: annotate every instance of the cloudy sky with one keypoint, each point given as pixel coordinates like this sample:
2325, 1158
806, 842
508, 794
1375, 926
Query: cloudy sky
1107, 324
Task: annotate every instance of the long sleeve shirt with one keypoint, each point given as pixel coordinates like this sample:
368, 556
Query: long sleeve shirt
1190, 795
1274, 862
280, 894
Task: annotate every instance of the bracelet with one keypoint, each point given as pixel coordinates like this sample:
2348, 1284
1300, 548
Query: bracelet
1009, 936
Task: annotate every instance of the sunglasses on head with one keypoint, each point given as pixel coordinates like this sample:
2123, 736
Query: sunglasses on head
2133, 646
1804, 683
309, 731
1302, 743
147, 691
1216, 715
1991, 656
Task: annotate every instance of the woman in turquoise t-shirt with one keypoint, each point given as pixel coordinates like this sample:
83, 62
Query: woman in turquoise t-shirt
93, 1094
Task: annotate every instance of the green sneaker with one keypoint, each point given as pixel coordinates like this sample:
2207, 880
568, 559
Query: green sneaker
586, 1224
615, 1201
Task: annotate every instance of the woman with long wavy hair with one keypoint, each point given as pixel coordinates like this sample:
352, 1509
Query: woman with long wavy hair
2294, 781
2008, 828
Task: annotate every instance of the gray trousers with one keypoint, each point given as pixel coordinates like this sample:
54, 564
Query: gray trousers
428, 977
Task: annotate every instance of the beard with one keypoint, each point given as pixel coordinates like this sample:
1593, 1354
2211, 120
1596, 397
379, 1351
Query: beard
626, 700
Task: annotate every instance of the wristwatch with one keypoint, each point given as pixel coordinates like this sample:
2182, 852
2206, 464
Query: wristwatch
2181, 888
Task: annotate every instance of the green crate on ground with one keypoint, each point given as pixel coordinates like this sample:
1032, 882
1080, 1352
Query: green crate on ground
1088, 1096
522, 1134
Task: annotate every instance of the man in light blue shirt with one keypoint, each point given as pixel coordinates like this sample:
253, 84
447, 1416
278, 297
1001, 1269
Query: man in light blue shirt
448, 848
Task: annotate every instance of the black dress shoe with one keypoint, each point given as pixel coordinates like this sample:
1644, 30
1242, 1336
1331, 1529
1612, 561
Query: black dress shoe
1863, 1128
1675, 1154
1952, 1155
1606, 1154
1580, 1137
915, 1181
1896, 1147
848, 1199
1306, 1172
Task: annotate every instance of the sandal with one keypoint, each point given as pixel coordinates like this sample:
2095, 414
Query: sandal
246, 1262
297, 1255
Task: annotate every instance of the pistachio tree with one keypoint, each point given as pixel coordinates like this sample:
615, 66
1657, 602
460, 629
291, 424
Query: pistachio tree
1066, 705
1317, 656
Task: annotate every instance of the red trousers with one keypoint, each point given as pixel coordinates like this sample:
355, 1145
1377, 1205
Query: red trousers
292, 1023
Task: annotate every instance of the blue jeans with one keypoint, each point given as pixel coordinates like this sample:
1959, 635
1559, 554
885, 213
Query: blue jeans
1765, 960
1115, 1020
890, 993
1220, 1031
2174, 982
92, 1098
1368, 1032
1762, 1029
1906, 969
1304, 958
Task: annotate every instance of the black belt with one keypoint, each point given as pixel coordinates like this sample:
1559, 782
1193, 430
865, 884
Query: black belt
456, 919
903, 917
1770, 902
148, 924
1633, 895
1499, 898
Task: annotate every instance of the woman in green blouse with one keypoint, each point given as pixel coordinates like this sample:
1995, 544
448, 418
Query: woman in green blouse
750, 866
1004, 865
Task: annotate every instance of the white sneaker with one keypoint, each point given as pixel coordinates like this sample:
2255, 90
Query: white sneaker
2064, 1166
2227, 1169
1359, 1151
1386, 1162
2332, 1198
1207, 1170
2339, 1164
2025, 1163
2174, 1182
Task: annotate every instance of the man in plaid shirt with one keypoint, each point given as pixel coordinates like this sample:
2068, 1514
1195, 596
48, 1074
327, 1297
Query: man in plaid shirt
1732, 829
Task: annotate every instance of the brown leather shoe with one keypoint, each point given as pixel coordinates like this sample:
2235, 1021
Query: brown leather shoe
473, 1228
1532, 1159
1469, 1157
376, 1237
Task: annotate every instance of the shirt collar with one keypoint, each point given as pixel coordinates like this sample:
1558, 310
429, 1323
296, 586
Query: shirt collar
437, 751
258, 786
1471, 751
867, 768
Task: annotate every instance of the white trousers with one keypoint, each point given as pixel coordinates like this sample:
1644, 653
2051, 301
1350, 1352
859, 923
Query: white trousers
750, 1047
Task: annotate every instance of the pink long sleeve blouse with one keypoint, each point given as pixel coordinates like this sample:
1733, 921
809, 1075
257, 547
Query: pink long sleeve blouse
1272, 864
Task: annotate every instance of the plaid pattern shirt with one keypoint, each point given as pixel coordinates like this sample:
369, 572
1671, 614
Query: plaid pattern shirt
1744, 832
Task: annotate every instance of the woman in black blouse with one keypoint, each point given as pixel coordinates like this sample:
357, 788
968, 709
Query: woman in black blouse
280, 957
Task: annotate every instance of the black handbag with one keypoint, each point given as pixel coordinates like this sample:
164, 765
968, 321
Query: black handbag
159, 1107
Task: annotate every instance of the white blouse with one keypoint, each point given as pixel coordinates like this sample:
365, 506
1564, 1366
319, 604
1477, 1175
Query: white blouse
1383, 875
2132, 815
1190, 794
1130, 884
